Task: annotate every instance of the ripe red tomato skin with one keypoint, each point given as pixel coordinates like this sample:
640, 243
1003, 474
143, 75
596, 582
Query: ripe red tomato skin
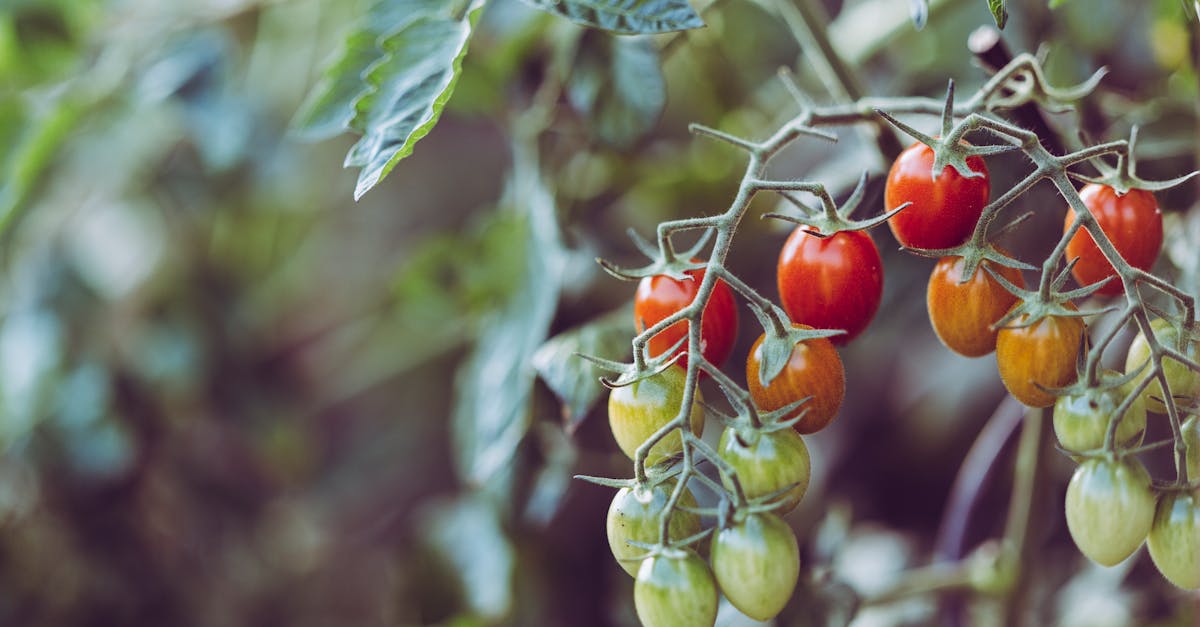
1042, 353
756, 564
961, 313
1110, 508
834, 282
944, 211
1174, 540
660, 296
1133, 223
815, 369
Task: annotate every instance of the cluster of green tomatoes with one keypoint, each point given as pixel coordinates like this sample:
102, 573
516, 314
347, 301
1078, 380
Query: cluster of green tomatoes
834, 280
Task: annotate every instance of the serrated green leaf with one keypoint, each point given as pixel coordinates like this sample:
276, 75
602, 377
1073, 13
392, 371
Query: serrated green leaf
617, 83
999, 12
626, 17
391, 81
573, 379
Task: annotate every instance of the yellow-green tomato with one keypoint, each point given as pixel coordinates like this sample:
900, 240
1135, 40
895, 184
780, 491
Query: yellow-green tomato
1191, 437
757, 564
1081, 420
635, 514
675, 589
1174, 540
636, 411
1184, 382
1110, 507
767, 462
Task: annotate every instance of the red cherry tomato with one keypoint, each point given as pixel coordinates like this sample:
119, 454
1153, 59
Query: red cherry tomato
814, 369
834, 282
943, 211
1132, 222
962, 313
660, 296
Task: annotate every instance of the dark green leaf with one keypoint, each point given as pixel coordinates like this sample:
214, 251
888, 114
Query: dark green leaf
391, 81
492, 409
574, 380
999, 12
626, 17
617, 83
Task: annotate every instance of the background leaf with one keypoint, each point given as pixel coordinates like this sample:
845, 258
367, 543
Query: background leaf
573, 379
918, 10
999, 12
617, 84
626, 17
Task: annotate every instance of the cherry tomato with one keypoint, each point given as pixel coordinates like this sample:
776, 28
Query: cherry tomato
944, 211
1081, 420
757, 564
675, 589
1191, 438
637, 410
834, 282
660, 296
1110, 507
961, 313
815, 370
1040, 354
635, 514
1183, 381
766, 462
1174, 539
1132, 222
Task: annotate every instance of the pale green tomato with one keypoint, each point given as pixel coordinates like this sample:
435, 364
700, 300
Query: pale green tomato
1191, 437
768, 462
675, 589
636, 411
757, 564
1110, 507
1184, 382
635, 514
1174, 540
1081, 420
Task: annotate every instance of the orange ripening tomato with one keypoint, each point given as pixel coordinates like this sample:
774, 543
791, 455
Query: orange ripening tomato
1042, 354
834, 282
660, 296
962, 313
814, 369
944, 211
1133, 223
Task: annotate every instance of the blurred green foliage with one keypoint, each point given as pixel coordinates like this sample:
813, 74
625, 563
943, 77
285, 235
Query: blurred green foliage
230, 395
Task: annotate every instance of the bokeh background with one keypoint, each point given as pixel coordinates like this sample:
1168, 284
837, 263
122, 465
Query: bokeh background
231, 395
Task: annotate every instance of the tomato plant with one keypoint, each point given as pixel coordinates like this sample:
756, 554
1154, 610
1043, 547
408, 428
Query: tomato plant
1191, 438
833, 282
962, 313
675, 589
1039, 356
636, 411
1110, 508
635, 514
944, 209
757, 564
768, 461
660, 296
1132, 222
1183, 381
1174, 539
813, 369
1081, 420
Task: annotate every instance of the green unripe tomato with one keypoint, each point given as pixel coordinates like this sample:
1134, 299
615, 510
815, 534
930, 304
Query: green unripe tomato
1184, 382
757, 564
675, 589
1174, 540
637, 410
768, 462
1110, 507
1081, 420
1191, 437
635, 514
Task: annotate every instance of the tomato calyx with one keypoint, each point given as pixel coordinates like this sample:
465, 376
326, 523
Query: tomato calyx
831, 219
1034, 305
779, 341
1123, 178
628, 374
